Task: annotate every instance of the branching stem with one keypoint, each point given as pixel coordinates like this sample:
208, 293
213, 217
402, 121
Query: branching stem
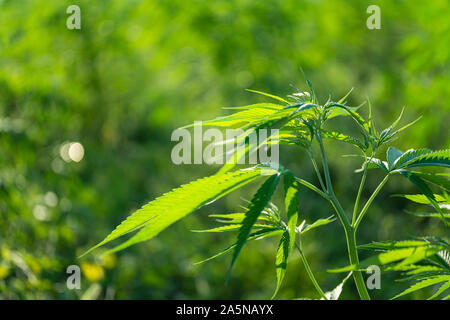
310, 273
349, 230
369, 202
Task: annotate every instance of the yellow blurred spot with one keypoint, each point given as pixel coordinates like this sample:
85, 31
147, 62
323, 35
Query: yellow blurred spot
93, 272
4, 272
5, 253
109, 261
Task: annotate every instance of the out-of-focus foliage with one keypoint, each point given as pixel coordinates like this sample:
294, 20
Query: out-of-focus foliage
139, 69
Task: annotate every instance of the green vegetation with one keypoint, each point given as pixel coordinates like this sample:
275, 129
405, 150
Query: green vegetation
302, 121
137, 70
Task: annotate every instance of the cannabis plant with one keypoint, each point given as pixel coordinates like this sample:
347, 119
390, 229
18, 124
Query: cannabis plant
302, 121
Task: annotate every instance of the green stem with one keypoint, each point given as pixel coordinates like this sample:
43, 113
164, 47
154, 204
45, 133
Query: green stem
361, 186
325, 165
349, 230
312, 187
369, 202
316, 168
331, 196
354, 260
310, 273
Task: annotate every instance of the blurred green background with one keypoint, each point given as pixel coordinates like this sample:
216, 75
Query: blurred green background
139, 69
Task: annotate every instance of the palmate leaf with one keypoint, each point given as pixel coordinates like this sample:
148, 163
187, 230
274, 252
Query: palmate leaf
276, 121
410, 155
256, 206
390, 245
436, 159
332, 112
444, 287
423, 157
426, 283
260, 234
420, 198
336, 135
424, 264
385, 133
425, 190
355, 116
281, 259
254, 114
235, 217
160, 213
403, 256
230, 227
439, 179
390, 135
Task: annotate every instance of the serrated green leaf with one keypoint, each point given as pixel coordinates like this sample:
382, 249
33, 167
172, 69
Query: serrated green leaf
277, 121
423, 284
359, 120
317, 223
234, 217
425, 190
420, 198
437, 159
174, 205
336, 135
291, 204
268, 95
410, 155
390, 245
439, 179
384, 135
260, 234
391, 135
231, 227
256, 105
256, 206
281, 260
406, 255
241, 118
441, 290
392, 155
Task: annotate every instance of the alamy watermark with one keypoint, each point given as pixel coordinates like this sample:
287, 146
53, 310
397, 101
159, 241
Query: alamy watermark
74, 20
374, 280
236, 146
74, 279
374, 20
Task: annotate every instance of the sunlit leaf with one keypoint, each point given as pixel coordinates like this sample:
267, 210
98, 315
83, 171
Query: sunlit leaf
291, 205
281, 260
174, 205
256, 206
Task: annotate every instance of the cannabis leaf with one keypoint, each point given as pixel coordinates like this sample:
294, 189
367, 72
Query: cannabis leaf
160, 213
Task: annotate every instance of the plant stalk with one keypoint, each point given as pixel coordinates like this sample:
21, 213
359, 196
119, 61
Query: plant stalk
310, 273
361, 186
354, 260
369, 202
316, 169
312, 187
350, 232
